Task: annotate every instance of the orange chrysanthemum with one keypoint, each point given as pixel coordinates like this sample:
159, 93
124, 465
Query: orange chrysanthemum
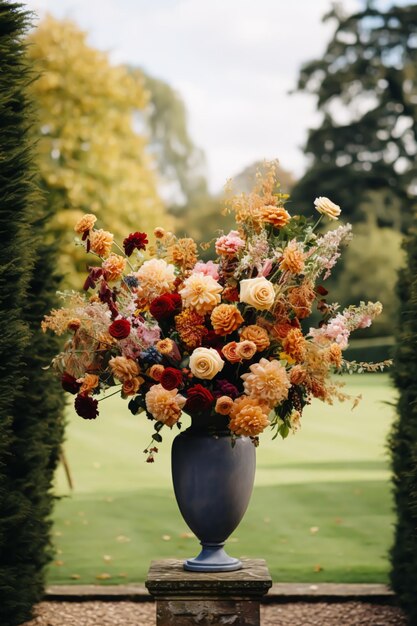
226, 318
258, 335
114, 266
191, 328
101, 242
248, 417
294, 344
275, 215
292, 258
298, 375
85, 224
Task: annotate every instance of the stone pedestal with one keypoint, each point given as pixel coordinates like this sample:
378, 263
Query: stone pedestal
206, 599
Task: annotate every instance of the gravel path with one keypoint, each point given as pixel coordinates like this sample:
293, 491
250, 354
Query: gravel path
291, 614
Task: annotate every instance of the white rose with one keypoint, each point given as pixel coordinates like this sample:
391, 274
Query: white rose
327, 207
205, 363
258, 292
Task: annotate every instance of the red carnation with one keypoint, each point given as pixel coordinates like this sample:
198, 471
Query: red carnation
119, 329
165, 306
199, 399
171, 378
135, 241
86, 407
69, 383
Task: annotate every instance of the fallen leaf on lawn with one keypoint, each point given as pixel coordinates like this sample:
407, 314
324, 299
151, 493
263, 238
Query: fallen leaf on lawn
314, 530
58, 533
96, 465
107, 558
103, 576
122, 575
122, 539
59, 563
318, 568
187, 536
75, 576
59, 551
233, 539
338, 520
166, 537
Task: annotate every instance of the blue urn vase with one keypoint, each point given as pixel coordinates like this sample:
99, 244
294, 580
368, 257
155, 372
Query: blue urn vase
213, 483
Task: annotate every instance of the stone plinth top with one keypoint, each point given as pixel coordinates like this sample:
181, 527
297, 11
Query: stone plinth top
167, 578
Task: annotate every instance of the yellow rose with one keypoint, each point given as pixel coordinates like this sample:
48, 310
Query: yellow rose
327, 207
205, 363
258, 292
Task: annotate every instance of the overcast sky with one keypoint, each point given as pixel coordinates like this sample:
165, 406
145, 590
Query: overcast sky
233, 62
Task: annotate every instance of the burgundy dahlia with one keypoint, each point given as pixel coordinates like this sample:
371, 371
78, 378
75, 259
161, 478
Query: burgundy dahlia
199, 399
135, 241
86, 407
225, 388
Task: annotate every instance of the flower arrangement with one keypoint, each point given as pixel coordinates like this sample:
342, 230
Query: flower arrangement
226, 341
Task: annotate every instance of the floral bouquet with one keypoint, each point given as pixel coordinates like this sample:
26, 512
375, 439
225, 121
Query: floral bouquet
226, 341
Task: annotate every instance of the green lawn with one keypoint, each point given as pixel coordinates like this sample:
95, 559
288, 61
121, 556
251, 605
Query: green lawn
320, 511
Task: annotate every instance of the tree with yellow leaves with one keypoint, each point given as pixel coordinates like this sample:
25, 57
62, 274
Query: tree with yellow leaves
91, 156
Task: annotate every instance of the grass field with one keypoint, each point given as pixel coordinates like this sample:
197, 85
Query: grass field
320, 511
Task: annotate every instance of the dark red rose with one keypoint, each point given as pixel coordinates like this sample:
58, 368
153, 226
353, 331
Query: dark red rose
198, 399
119, 329
69, 383
171, 378
86, 407
135, 241
165, 306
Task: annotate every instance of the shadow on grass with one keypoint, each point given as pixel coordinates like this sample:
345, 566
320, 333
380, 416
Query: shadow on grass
333, 532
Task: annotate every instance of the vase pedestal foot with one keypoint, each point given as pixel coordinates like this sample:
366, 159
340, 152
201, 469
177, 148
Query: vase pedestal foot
212, 558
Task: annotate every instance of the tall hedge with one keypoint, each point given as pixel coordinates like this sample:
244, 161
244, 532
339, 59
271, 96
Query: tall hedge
403, 439
31, 406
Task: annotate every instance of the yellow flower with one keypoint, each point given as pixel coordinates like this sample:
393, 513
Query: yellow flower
200, 293
205, 363
327, 207
165, 406
257, 292
268, 381
286, 357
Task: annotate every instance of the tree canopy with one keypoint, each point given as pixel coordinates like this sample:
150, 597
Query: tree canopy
363, 154
92, 155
